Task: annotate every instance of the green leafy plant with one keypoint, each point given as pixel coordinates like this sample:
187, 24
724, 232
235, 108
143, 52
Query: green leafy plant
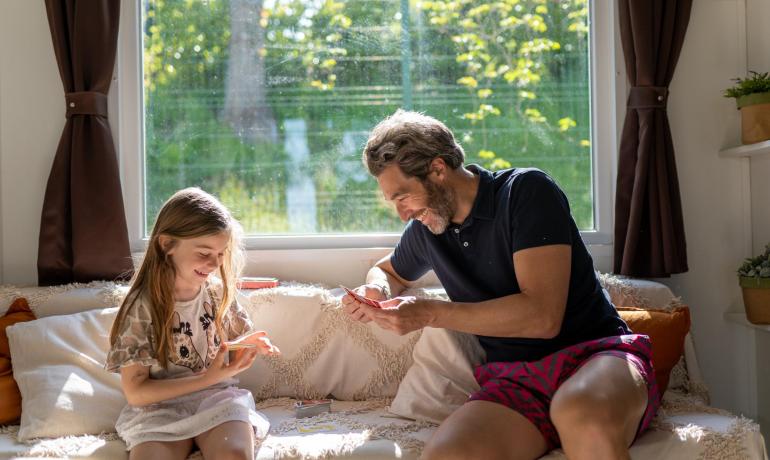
756, 267
755, 83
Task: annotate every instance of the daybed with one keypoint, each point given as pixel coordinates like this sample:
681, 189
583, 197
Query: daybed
69, 403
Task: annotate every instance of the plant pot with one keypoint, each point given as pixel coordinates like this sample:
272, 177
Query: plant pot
756, 299
755, 117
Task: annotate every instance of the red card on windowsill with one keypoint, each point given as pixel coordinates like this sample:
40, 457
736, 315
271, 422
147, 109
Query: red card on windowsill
256, 282
362, 299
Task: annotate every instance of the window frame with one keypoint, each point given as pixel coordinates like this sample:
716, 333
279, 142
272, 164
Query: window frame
126, 100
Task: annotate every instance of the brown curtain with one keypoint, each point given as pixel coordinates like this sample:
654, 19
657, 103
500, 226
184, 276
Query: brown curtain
649, 229
83, 234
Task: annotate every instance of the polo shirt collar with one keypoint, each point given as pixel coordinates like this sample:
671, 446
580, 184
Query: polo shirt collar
484, 203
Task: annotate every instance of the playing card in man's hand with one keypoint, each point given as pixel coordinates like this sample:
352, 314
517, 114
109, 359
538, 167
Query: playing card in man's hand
362, 299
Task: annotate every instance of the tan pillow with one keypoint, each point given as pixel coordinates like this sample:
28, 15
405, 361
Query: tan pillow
10, 398
441, 378
666, 329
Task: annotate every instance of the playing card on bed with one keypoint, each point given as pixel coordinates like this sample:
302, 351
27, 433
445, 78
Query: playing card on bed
362, 299
311, 407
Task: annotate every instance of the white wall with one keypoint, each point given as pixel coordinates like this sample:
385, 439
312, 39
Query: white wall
31, 119
714, 195
714, 189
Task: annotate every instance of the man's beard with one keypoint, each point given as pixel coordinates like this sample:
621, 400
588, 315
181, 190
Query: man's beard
441, 206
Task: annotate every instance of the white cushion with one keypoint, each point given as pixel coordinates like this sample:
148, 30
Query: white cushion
65, 299
323, 352
632, 292
441, 378
58, 364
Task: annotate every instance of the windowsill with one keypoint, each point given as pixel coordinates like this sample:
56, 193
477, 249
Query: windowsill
348, 266
745, 151
740, 318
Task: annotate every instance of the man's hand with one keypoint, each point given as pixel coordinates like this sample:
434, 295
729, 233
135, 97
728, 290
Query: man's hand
352, 307
401, 315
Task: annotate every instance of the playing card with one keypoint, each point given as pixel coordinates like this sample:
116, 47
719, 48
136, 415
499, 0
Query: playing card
256, 282
239, 345
362, 299
311, 407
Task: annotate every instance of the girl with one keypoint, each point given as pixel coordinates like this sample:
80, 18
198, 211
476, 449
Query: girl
168, 339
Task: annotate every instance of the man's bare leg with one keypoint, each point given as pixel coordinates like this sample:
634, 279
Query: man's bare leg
597, 410
483, 429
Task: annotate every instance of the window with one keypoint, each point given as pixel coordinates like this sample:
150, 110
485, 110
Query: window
267, 104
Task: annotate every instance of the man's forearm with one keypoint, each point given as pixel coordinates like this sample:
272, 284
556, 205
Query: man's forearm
516, 315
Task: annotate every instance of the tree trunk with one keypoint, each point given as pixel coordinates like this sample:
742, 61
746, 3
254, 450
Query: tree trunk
246, 108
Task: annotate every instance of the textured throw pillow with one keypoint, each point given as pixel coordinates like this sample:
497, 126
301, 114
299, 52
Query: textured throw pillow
10, 398
441, 378
667, 330
323, 352
637, 292
58, 363
72, 298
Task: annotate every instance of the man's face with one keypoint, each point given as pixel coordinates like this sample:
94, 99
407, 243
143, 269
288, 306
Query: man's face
428, 201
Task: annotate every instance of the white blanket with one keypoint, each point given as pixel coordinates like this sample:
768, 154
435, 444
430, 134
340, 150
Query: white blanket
685, 428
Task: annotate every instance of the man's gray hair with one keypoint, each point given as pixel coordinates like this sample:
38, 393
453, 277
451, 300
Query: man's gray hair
411, 140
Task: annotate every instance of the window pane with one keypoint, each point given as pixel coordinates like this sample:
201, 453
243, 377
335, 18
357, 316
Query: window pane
267, 104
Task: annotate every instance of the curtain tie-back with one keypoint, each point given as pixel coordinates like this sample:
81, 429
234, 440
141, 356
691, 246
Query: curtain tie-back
86, 103
648, 97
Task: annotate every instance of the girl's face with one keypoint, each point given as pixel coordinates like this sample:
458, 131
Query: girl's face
195, 259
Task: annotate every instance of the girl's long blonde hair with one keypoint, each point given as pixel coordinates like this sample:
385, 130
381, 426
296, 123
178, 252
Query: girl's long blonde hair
189, 213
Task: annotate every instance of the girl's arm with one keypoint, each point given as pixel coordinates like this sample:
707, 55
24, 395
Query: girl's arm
141, 390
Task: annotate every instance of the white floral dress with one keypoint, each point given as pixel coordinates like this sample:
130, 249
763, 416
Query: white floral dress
195, 345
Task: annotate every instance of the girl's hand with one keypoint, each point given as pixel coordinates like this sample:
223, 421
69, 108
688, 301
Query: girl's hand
242, 360
260, 341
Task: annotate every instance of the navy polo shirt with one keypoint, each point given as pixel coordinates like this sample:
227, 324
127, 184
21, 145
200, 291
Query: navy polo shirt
514, 209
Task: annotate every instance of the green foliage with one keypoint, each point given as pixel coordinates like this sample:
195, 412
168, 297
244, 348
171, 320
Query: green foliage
756, 267
755, 83
509, 77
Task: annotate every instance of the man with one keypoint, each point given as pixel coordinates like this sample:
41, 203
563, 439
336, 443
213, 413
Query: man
562, 367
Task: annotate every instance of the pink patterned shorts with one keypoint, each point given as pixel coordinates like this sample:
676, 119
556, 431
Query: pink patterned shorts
528, 387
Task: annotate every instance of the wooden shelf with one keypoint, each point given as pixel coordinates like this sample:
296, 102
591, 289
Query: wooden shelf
740, 318
748, 150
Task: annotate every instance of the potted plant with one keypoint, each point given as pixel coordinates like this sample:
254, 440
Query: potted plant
754, 276
752, 95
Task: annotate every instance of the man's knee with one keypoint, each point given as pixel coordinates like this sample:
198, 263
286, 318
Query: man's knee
589, 412
436, 450
458, 449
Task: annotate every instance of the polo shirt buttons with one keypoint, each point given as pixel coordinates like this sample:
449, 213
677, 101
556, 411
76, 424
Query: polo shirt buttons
457, 230
465, 244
